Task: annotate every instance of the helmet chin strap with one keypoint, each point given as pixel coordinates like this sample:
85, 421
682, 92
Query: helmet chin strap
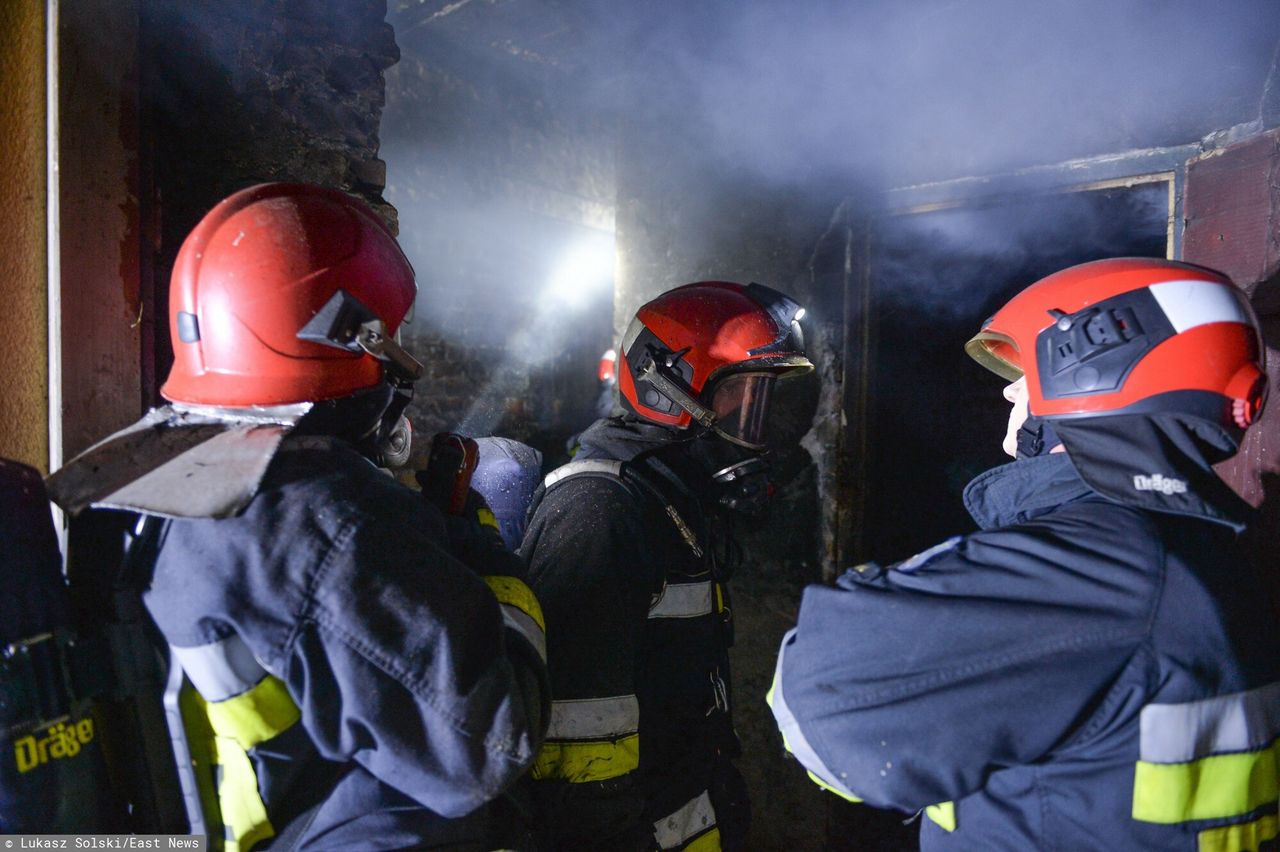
1036, 438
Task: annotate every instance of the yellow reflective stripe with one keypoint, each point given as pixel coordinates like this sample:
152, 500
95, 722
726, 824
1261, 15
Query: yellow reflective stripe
944, 814
487, 518
513, 592
1215, 787
848, 797
255, 716
234, 812
719, 598
1238, 838
195, 723
580, 762
709, 842
243, 811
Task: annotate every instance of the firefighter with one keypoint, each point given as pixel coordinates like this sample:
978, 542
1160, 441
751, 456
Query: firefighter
367, 673
629, 550
506, 475
1097, 667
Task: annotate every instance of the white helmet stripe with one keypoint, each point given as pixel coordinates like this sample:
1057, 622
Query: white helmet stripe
1188, 304
633, 331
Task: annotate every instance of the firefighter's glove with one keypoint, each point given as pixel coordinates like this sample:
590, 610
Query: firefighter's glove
474, 539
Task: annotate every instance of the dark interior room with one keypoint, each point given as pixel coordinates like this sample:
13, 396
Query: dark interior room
900, 170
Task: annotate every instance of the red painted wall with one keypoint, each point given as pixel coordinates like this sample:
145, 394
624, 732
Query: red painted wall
1232, 223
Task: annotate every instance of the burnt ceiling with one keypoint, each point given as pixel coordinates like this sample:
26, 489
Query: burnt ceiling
909, 91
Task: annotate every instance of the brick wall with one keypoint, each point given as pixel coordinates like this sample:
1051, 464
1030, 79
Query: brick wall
235, 94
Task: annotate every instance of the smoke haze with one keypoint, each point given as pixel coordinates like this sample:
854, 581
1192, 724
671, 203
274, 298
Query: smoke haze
918, 91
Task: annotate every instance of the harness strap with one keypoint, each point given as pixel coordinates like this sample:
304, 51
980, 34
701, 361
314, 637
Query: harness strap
626, 474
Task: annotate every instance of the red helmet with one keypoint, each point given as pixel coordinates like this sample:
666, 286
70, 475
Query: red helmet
710, 352
1130, 336
607, 371
287, 293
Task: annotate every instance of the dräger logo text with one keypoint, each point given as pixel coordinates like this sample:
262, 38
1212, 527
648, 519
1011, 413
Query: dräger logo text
1156, 482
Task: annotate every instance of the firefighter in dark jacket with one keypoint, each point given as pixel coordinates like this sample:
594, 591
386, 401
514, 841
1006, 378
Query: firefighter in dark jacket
629, 551
367, 673
1097, 667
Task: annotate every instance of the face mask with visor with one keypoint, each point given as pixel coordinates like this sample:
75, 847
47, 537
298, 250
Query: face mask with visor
741, 406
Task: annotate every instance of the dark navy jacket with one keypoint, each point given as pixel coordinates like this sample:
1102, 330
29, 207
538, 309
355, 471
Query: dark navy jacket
638, 753
415, 704
1077, 675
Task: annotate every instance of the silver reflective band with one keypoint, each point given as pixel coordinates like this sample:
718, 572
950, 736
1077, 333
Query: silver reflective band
792, 737
1188, 304
1242, 721
220, 670
683, 600
519, 621
633, 331
283, 415
594, 718
696, 817
612, 467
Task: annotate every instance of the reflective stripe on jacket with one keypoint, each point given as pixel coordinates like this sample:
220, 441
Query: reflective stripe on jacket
641, 734
232, 706
1079, 675
416, 684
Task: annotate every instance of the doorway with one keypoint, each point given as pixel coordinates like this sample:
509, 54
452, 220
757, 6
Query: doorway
935, 419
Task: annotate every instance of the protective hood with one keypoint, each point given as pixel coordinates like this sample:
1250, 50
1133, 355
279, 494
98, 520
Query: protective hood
625, 437
1159, 462
177, 462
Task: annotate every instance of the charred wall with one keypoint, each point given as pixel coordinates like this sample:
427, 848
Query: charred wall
242, 93
498, 175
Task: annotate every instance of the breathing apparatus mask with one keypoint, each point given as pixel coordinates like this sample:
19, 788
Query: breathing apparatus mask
739, 478
374, 420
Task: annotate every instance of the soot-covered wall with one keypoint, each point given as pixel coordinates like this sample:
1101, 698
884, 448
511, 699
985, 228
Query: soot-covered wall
506, 201
242, 93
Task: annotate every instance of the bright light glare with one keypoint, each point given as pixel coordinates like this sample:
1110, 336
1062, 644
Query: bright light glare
586, 268
799, 315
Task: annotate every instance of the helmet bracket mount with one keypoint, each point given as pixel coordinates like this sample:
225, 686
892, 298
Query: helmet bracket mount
373, 338
663, 377
346, 323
